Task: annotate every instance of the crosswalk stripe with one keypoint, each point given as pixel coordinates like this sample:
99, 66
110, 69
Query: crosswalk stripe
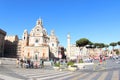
102, 77
77, 77
115, 75
41, 73
49, 74
47, 77
8, 77
65, 77
91, 76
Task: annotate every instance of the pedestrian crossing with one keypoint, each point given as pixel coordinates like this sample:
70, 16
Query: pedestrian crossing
41, 74
102, 77
5, 77
115, 75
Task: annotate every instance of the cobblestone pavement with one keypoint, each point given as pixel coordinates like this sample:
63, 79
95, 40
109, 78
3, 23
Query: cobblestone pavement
10, 72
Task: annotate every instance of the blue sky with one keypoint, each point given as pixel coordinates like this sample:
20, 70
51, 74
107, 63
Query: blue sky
96, 20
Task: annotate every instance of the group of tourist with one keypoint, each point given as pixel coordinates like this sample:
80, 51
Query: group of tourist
29, 63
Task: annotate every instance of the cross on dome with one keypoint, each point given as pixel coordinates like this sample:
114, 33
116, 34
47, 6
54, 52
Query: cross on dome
52, 32
39, 21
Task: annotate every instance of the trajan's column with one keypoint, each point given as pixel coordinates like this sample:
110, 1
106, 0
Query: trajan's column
68, 46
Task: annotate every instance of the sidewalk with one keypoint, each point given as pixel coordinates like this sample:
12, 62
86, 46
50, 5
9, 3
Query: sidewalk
7, 61
11, 63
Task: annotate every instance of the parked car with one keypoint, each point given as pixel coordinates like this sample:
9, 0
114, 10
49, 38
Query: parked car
115, 57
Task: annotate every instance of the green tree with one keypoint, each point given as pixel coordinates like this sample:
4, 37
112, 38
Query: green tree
118, 43
106, 46
99, 45
96, 45
113, 44
117, 51
82, 42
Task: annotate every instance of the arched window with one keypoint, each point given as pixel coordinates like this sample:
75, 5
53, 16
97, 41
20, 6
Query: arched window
52, 44
36, 41
36, 57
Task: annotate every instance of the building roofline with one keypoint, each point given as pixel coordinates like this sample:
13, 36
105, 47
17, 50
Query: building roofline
2, 32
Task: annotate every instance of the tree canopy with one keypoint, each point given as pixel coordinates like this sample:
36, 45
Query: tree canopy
82, 42
118, 43
85, 42
113, 44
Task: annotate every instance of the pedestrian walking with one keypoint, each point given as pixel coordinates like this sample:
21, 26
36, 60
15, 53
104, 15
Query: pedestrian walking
52, 63
41, 63
17, 63
21, 63
100, 59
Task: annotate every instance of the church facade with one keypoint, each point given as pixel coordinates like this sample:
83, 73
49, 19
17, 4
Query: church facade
38, 44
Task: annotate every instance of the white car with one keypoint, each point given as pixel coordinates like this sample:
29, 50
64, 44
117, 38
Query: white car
115, 57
